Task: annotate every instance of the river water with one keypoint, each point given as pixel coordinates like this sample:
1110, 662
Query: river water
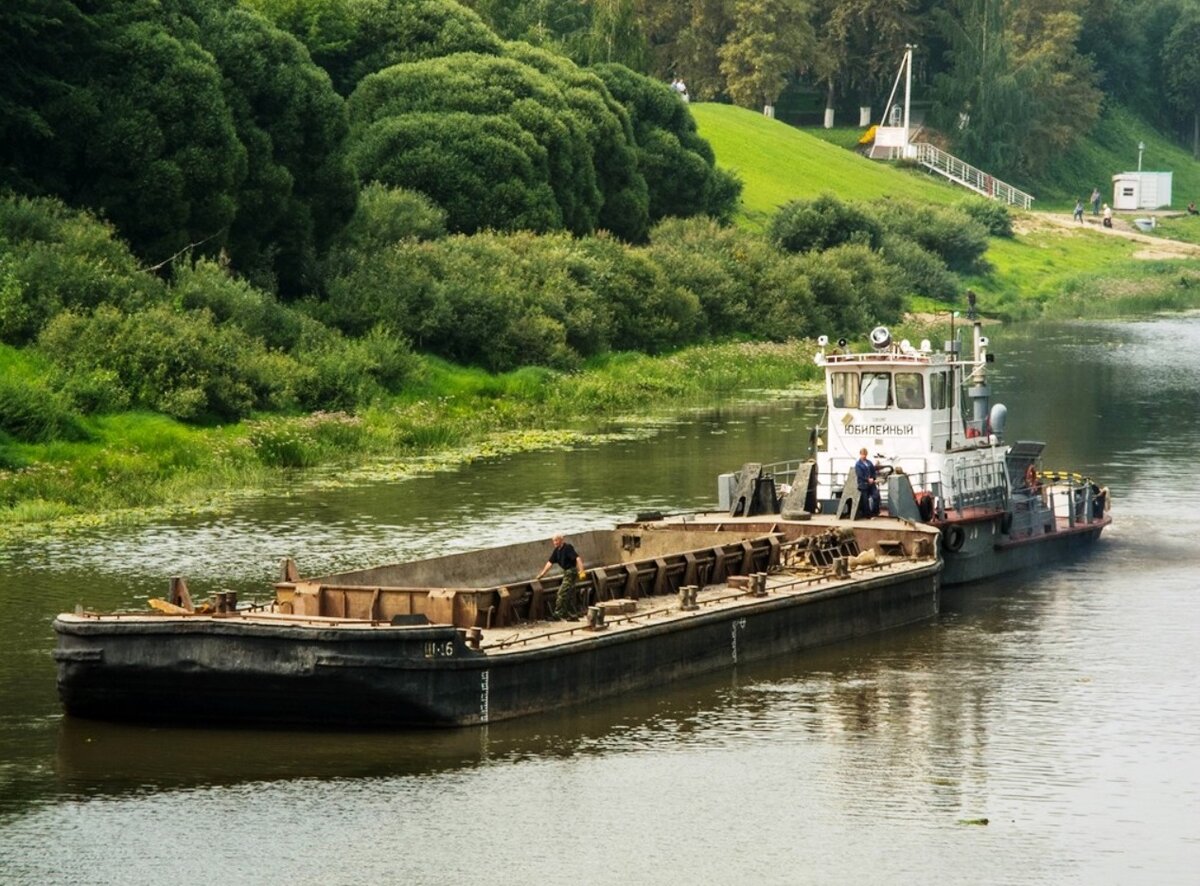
1061, 707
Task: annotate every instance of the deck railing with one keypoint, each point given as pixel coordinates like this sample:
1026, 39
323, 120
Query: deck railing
937, 160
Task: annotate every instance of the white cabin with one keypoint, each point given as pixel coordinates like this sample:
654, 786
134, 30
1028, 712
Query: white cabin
1141, 190
923, 413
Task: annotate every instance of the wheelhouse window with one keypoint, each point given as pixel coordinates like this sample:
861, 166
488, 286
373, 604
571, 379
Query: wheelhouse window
941, 390
875, 390
844, 389
910, 390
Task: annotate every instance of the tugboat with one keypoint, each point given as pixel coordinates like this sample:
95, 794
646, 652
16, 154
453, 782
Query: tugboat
937, 443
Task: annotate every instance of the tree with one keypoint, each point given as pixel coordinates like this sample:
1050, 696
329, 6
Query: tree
1183, 71
614, 35
860, 44
684, 39
626, 198
1017, 91
502, 88
678, 165
150, 139
770, 40
485, 171
1060, 82
299, 188
38, 38
388, 32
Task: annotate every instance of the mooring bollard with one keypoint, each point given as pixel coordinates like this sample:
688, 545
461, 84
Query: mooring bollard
758, 585
687, 597
596, 618
474, 637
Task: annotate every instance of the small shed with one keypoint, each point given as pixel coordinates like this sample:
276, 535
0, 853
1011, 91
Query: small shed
1141, 190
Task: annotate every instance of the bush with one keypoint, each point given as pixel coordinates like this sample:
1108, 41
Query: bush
346, 373
853, 287
33, 413
725, 268
53, 258
386, 216
182, 364
992, 214
947, 232
677, 164
484, 170
808, 225
206, 286
922, 272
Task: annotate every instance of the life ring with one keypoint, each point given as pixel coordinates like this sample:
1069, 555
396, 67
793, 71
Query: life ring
953, 537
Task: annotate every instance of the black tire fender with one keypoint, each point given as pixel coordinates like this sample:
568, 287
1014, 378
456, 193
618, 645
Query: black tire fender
953, 537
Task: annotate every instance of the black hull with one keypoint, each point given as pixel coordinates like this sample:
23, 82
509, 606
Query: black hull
227, 672
988, 553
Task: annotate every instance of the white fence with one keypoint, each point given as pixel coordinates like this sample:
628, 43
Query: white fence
968, 176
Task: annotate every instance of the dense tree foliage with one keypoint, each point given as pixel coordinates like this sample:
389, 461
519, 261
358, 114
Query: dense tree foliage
1182, 58
678, 166
353, 38
770, 40
298, 188
190, 124
214, 207
1013, 82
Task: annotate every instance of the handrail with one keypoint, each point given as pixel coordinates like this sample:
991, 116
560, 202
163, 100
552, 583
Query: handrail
937, 160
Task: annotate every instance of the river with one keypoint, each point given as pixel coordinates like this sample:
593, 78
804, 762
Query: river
1061, 707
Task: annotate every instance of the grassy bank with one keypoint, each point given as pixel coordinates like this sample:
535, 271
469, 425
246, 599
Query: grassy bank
1046, 270
134, 466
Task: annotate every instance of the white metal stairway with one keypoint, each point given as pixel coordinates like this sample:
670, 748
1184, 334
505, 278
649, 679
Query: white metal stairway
937, 160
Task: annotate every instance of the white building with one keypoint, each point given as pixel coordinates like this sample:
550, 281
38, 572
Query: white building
1141, 190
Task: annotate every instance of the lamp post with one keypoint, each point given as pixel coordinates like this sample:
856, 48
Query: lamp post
1141, 147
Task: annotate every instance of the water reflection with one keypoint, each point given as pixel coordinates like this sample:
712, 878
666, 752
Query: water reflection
1060, 705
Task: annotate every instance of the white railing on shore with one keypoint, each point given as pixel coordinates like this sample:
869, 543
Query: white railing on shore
937, 160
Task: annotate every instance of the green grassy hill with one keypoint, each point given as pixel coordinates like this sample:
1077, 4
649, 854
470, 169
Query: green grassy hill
1044, 270
779, 163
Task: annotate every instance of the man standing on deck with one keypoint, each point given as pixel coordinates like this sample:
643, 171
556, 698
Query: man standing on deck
868, 489
564, 555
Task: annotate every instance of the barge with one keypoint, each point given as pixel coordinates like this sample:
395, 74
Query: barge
466, 638
935, 442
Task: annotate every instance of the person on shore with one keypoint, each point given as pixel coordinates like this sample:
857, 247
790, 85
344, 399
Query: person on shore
1191, 210
1107, 216
1095, 201
1078, 213
868, 488
564, 555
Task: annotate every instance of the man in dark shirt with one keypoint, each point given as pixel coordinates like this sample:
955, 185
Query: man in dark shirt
564, 555
868, 489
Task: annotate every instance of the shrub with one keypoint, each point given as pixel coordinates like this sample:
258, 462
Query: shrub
182, 364
346, 373
808, 225
677, 164
945, 231
922, 272
484, 170
992, 214
53, 258
725, 268
853, 287
386, 216
33, 413
206, 286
